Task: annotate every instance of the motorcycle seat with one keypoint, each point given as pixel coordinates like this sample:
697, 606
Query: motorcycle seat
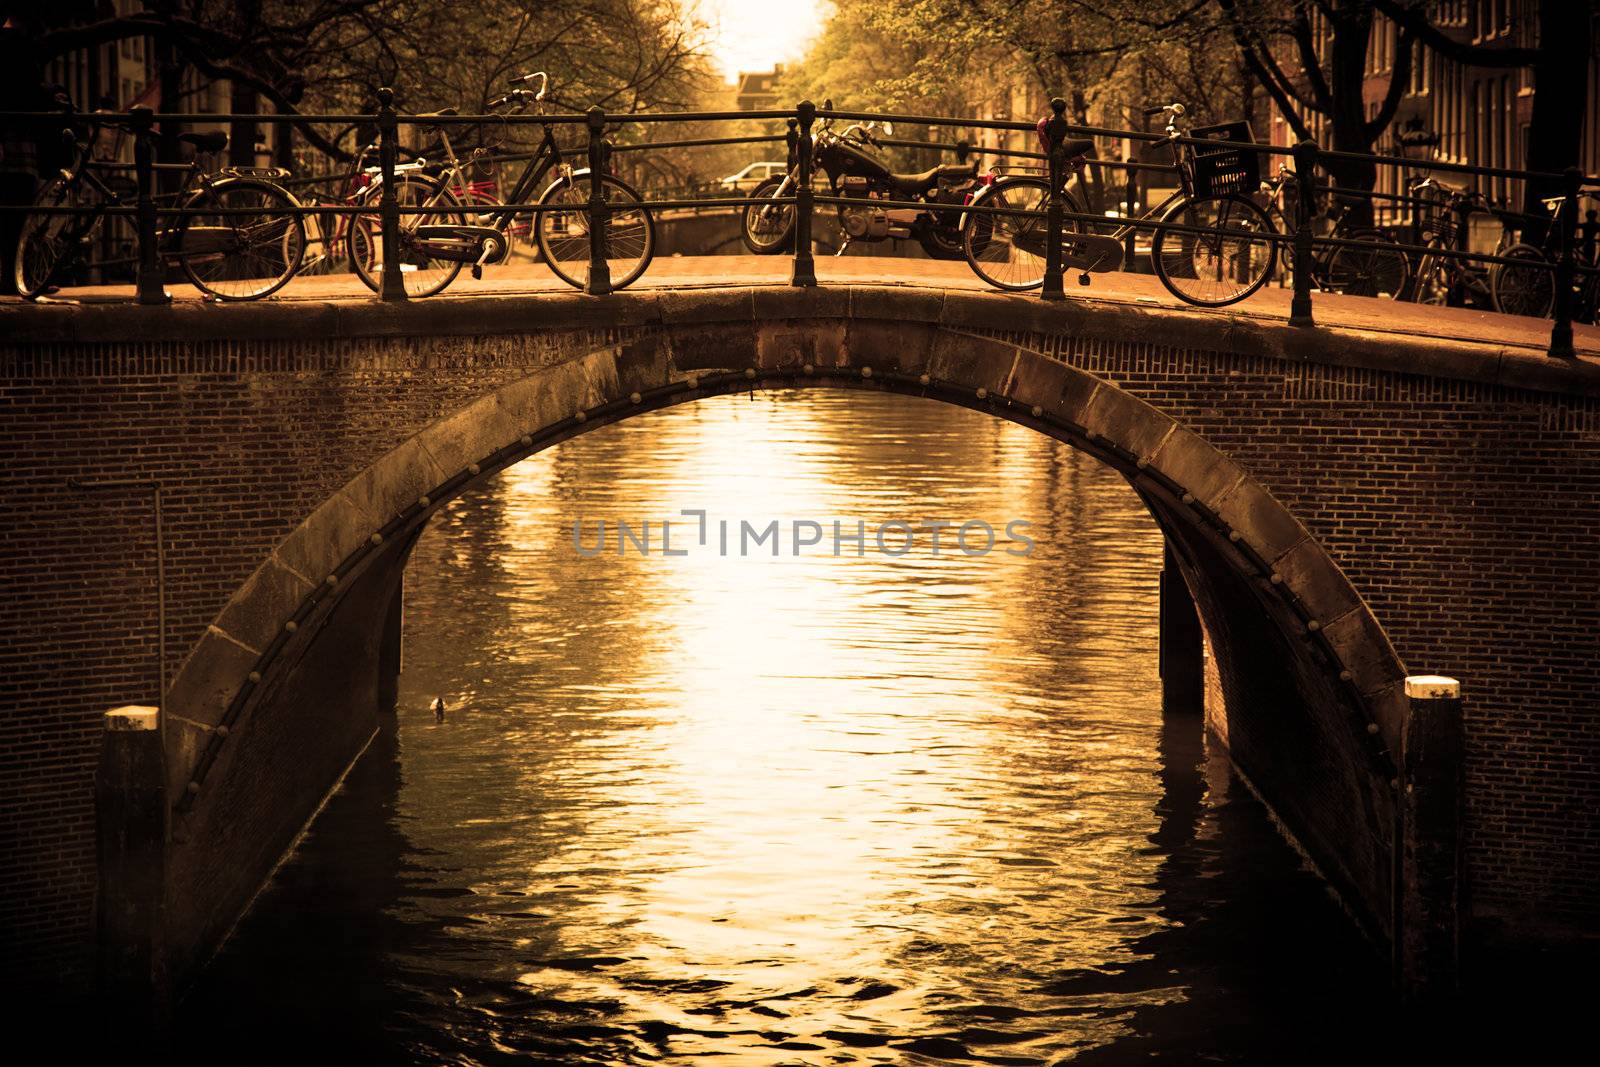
1078, 146
917, 184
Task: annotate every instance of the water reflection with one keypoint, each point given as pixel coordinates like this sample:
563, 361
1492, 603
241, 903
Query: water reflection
808, 809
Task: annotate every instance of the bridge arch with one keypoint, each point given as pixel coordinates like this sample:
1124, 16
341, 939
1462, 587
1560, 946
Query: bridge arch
1308, 672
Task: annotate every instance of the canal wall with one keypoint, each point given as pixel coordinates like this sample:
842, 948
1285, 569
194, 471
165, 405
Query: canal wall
1433, 505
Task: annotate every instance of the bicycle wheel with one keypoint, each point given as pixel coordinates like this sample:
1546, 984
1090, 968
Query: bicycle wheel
767, 228
1519, 289
46, 241
1588, 309
1008, 251
1219, 267
240, 257
1436, 279
360, 241
323, 242
421, 274
1378, 269
563, 234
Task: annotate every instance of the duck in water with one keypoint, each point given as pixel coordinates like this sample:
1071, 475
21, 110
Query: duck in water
437, 707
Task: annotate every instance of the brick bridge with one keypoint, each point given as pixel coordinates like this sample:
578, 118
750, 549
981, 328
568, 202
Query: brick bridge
1345, 503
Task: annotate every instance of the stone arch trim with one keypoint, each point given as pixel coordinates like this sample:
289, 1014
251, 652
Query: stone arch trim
297, 586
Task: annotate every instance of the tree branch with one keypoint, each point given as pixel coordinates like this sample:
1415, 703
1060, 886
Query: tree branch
1310, 62
1415, 20
1258, 57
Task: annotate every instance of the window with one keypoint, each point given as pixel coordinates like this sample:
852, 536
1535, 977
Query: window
1475, 137
1508, 129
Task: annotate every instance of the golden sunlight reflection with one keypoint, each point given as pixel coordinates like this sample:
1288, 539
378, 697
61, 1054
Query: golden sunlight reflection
863, 781
803, 809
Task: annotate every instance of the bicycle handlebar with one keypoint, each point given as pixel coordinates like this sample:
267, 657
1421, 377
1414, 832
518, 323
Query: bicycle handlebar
520, 97
527, 79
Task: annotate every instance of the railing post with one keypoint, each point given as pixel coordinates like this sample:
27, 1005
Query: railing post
599, 208
1055, 131
805, 266
1305, 167
1566, 268
151, 273
393, 286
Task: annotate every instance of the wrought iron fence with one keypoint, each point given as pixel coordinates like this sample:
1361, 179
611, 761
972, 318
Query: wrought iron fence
1574, 267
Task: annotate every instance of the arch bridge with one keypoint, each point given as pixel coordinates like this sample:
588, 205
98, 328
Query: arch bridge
1345, 506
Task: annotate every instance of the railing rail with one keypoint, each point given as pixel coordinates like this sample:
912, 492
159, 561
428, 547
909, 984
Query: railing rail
1567, 267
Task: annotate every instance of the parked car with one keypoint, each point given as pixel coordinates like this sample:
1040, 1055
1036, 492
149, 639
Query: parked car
752, 176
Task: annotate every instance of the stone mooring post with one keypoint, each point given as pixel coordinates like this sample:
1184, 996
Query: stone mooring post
131, 829
1179, 659
1428, 941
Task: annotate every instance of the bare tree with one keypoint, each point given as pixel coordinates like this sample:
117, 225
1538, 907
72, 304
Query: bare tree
1278, 43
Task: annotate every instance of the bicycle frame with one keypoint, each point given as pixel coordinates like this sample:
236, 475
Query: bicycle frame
1183, 165
83, 175
1121, 232
546, 157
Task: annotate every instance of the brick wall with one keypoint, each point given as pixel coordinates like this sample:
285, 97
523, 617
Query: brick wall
1468, 516
1466, 513
246, 439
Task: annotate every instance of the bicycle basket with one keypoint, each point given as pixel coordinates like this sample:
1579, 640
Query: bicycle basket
1224, 171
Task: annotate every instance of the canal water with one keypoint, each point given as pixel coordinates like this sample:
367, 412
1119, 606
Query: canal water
739, 808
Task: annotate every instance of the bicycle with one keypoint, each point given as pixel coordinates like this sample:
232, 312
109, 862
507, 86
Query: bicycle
1450, 281
436, 242
1376, 268
1225, 251
244, 252
1530, 289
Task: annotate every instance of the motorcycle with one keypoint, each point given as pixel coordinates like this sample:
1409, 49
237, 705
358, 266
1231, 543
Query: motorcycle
855, 171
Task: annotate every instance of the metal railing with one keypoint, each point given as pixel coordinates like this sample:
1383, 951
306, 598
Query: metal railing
1302, 243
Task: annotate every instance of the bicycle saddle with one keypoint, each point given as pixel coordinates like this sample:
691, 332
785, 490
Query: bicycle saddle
205, 142
442, 113
917, 183
1447, 187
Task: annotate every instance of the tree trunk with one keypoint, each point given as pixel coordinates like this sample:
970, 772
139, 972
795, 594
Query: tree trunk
1347, 76
169, 72
1560, 84
242, 134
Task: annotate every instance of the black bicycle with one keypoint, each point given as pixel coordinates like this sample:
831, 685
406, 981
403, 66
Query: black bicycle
436, 242
1529, 287
1375, 268
1220, 252
247, 250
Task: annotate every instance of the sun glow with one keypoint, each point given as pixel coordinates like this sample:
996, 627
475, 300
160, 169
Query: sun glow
752, 35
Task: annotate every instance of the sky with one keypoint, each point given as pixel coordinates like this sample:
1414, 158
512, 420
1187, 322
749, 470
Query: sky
754, 34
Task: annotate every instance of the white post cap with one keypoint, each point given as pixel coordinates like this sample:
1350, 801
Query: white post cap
132, 717
1432, 687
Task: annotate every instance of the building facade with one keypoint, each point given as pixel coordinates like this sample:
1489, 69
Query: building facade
1455, 112
758, 89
